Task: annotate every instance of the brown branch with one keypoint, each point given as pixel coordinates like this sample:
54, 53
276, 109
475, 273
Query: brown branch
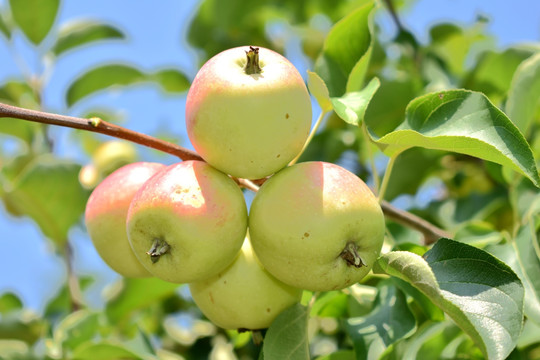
431, 232
98, 126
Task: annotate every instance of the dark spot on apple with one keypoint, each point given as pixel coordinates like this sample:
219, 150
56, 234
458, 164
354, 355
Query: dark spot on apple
224, 281
211, 298
306, 234
278, 155
267, 310
286, 115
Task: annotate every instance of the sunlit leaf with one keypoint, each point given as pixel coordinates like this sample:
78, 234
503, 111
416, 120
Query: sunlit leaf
171, 80
524, 94
464, 122
352, 106
345, 54
319, 91
82, 33
112, 75
76, 328
137, 294
49, 192
389, 321
479, 292
101, 78
286, 338
9, 302
104, 351
34, 17
521, 256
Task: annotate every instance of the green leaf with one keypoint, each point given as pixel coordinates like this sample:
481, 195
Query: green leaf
346, 50
479, 292
117, 75
524, 94
82, 33
61, 303
330, 304
4, 27
34, 17
453, 44
414, 166
49, 192
76, 328
352, 106
171, 80
521, 256
430, 340
22, 325
385, 111
339, 355
286, 338
104, 351
136, 294
389, 321
9, 302
503, 64
464, 122
101, 78
318, 89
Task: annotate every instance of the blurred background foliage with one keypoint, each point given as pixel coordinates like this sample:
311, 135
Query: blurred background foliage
479, 202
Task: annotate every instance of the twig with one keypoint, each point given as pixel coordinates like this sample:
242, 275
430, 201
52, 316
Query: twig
393, 14
430, 231
98, 126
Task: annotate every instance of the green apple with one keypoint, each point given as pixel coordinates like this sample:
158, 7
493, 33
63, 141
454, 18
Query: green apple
244, 295
248, 112
106, 212
187, 223
316, 226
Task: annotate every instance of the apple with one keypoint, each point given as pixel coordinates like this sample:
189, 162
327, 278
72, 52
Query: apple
243, 296
106, 212
316, 226
187, 223
248, 112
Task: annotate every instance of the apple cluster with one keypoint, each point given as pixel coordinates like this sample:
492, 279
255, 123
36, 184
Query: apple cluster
311, 226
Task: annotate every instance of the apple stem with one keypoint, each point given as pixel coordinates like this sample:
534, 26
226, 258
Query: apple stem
159, 247
351, 256
257, 337
252, 65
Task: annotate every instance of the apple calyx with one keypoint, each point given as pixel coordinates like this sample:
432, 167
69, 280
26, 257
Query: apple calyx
159, 247
351, 256
252, 65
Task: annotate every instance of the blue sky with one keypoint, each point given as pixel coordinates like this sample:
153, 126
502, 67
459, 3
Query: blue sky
155, 40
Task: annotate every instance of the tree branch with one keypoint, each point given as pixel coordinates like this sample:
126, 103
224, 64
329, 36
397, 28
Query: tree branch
98, 126
431, 232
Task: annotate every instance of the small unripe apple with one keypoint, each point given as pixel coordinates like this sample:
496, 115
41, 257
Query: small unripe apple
187, 223
316, 226
106, 212
244, 295
248, 112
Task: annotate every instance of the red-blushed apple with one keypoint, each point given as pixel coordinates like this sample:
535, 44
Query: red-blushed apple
106, 212
244, 295
188, 222
248, 112
316, 226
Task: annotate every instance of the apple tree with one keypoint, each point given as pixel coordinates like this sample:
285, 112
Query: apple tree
415, 193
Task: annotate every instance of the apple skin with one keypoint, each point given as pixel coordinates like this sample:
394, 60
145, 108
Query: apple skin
305, 216
106, 212
198, 211
244, 295
248, 126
